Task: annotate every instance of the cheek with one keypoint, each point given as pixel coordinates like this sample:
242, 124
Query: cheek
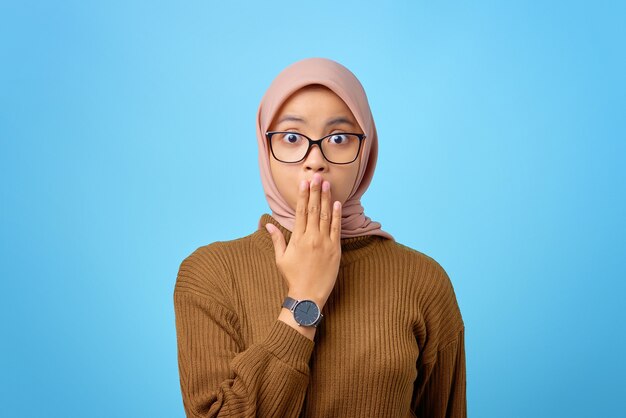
286, 179
344, 184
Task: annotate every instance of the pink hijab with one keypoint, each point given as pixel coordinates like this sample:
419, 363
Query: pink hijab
345, 84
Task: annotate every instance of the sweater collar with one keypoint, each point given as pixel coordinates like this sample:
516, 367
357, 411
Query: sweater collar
352, 248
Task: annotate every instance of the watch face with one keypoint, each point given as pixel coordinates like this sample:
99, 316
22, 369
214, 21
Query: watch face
306, 313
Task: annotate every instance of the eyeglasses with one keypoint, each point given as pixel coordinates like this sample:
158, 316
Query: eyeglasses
293, 147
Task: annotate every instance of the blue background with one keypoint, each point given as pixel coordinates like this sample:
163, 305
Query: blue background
127, 134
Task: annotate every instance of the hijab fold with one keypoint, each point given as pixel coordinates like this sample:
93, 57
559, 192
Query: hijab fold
344, 84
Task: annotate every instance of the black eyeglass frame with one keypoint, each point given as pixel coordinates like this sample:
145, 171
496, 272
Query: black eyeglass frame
312, 142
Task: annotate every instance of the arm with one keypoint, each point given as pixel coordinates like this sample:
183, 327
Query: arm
440, 389
219, 376
440, 386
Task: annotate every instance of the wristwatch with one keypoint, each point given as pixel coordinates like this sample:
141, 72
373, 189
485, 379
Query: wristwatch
305, 312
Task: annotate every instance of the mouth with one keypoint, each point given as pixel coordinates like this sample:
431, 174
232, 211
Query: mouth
310, 180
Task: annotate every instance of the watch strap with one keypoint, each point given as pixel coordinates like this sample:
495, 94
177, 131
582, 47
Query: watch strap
290, 303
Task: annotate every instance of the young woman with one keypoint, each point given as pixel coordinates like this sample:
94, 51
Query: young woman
319, 312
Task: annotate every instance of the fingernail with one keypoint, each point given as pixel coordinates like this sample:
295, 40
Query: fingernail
316, 179
303, 185
326, 186
267, 226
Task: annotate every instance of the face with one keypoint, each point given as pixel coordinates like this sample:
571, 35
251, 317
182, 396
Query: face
308, 111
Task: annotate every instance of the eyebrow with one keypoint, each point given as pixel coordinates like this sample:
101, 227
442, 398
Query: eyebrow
333, 121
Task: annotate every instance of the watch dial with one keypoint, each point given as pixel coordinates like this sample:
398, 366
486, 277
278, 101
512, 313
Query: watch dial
306, 313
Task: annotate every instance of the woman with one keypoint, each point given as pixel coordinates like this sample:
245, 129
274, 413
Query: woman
318, 313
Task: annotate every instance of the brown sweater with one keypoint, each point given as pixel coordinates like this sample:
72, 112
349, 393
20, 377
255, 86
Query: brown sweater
391, 343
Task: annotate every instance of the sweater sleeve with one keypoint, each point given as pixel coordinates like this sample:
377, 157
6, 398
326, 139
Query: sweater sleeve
219, 375
441, 384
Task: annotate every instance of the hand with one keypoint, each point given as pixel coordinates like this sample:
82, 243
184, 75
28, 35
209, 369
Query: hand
310, 263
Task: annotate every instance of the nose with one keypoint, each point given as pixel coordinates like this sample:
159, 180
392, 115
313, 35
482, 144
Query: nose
315, 161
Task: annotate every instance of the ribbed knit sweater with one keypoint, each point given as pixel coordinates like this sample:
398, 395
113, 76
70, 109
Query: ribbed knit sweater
391, 343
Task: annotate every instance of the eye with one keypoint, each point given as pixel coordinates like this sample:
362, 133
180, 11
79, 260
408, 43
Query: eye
338, 139
291, 138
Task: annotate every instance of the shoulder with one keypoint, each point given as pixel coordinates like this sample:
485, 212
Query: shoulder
208, 267
432, 289
421, 265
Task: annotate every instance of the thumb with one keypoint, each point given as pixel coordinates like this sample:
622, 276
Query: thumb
277, 239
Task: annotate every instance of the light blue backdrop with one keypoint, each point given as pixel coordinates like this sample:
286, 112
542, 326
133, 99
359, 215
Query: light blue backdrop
127, 134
